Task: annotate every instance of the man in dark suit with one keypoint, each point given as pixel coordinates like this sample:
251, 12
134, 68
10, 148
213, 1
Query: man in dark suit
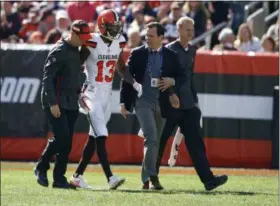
148, 64
188, 115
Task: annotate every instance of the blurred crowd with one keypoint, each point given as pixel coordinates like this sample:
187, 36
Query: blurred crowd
43, 22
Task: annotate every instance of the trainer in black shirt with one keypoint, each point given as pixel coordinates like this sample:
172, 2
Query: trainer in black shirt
60, 90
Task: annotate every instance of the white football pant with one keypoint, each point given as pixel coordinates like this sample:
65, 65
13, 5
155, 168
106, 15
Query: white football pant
99, 102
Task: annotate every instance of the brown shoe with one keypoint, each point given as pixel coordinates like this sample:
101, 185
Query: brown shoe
155, 183
146, 186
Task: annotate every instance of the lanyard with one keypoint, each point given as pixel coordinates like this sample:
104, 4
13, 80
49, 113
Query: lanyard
150, 64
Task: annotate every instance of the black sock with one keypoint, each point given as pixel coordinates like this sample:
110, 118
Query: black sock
88, 152
102, 155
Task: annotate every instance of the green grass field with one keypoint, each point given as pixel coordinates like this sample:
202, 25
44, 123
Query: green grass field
18, 187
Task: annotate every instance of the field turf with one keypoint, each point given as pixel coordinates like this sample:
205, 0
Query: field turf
182, 187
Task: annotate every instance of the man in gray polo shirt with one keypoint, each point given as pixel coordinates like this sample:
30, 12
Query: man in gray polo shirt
188, 115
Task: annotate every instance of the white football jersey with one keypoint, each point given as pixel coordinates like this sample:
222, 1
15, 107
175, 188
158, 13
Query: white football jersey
100, 64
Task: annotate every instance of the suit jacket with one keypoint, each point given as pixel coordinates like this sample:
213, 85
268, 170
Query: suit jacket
137, 65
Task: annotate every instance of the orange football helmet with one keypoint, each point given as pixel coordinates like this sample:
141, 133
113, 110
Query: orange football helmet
109, 24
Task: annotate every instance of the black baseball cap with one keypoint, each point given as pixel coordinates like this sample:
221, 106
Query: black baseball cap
81, 28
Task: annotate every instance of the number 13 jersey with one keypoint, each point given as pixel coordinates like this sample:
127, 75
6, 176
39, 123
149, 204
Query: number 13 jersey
102, 61
100, 69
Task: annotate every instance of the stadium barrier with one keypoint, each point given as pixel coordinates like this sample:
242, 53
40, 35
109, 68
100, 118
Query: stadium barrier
235, 95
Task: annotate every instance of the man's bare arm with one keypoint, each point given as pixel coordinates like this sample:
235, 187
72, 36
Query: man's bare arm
123, 70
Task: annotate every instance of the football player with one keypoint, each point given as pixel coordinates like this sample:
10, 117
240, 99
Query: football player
102, 55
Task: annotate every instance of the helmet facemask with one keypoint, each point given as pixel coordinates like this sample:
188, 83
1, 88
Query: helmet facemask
113, 31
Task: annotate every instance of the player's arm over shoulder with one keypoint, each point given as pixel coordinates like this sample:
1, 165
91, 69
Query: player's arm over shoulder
122, 43
85, 52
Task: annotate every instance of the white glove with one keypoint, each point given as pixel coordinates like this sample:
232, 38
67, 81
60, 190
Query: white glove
82, 100
138, 88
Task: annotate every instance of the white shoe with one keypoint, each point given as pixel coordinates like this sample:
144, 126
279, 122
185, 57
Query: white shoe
79, 182
115, 182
